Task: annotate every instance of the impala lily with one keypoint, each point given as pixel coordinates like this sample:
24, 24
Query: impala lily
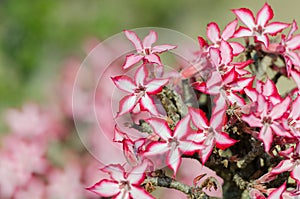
210, 133
291, 43
225, 87
268, 118
144, 49
259, 27
291, 163
215, 36
172, 142
132, 149
122, 185
222, 59
292, 122
139, 91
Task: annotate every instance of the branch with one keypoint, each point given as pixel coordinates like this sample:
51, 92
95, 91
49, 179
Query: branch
167, 182
142, 126
240, 182
257, 150
173, 104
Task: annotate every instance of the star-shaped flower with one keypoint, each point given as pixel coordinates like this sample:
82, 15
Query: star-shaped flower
122, 185
268, 117
174, 143
291, 163
139, 90
214, 35
210, 134
259, 27
144, 49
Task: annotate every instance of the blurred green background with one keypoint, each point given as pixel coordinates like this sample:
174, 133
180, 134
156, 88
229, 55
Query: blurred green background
37, 36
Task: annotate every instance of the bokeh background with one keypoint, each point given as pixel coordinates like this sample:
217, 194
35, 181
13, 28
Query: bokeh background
39, 38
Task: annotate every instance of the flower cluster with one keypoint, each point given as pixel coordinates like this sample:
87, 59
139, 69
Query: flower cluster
246, 126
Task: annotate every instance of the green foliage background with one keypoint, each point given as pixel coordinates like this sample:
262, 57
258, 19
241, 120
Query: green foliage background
36, 36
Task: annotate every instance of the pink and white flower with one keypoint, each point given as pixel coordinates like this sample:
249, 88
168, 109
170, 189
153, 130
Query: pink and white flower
122, 185
139, 90
259, 27
174, 143
291, 163
268, 118
132, 150
290, 44
222, 59
214, 35
210, 134
144, 49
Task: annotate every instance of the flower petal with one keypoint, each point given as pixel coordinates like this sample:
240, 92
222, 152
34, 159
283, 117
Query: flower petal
162, 48
263, 39
293, 43
215, 56
264, 15
156, 148
266, 136
213, 32
115, 171
174, 160
196, 137
119, 136
279, 130
246, 16
295, 110
277, 193
126, 105
207, 150
237, 48
279, 109
147, 104
229, 30
189, 146
296, 77
283, 166
105, 188
218, 118
155, 86
275, 27
182, 127
223, 141
150, 39
293, 29
139, 193
198, 118
140, 75
124, 194
243, 32
132, 36
226, 52
130, 152
160, 128
124, 83
131, 60
296, 173
153, 58
137, 174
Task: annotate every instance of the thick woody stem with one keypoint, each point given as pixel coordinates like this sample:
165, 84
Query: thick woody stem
165, 181
240, 182
257, 150
173, 104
